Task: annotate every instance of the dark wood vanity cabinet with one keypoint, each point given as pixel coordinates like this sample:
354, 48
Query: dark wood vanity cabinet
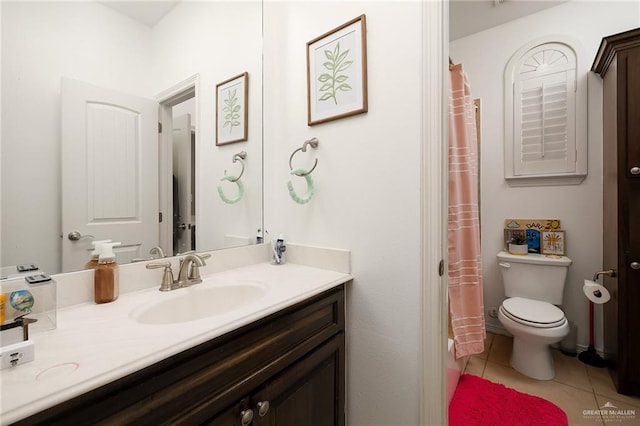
618, 63
285, 369
302, 395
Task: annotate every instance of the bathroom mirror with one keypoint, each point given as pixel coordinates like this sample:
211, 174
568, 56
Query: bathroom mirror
177, 53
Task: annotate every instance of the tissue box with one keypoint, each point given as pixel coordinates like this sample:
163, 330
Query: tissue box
40, 298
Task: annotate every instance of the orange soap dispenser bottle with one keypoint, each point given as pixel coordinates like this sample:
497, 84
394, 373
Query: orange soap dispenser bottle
97, 248
106, 279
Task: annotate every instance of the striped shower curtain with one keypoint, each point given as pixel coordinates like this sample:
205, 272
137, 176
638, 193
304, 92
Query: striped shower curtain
466, 307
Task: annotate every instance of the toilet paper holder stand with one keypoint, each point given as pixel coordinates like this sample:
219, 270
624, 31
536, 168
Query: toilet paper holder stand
609, 272
590, 356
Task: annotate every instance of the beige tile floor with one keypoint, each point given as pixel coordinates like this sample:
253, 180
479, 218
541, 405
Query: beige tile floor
578, 389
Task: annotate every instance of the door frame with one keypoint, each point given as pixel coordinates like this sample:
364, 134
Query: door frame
435, 88
167, 99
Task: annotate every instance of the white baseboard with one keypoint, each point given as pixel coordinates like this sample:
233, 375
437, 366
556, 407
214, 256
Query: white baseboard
498, 329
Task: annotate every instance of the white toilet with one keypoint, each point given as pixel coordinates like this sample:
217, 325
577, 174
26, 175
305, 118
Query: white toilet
533, 285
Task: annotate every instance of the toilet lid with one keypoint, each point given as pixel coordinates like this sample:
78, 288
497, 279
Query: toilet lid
533, 312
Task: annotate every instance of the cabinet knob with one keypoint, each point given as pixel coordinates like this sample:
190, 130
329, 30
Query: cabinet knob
635, 170
246, 416
635, 265
263, 408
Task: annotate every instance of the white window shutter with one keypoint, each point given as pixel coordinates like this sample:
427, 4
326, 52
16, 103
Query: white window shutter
541, 117
544, 127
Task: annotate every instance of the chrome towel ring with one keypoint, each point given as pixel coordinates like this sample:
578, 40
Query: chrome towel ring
238, 157
233, 179
299, 172
306, 174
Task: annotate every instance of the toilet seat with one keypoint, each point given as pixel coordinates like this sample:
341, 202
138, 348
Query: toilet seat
533, 313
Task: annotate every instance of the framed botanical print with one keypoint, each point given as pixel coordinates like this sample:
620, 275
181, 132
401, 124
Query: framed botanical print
337, 73
232, 115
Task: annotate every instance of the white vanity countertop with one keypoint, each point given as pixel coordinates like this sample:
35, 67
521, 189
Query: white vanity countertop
96, 344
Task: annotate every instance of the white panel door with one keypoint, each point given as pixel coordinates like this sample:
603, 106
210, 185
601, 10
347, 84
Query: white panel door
182, 174
109, 172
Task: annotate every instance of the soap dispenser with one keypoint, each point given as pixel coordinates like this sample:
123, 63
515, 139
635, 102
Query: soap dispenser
97, 248
106, 280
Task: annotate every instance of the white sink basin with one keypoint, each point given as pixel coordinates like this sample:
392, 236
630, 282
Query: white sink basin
198, 302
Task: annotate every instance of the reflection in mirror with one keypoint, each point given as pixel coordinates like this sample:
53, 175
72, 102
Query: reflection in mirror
183, 232
174, 62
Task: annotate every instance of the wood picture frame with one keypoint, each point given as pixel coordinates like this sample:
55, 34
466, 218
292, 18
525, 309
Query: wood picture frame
232, 109
337, 73
552, 242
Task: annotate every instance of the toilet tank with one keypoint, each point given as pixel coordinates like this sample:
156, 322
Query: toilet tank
534, 276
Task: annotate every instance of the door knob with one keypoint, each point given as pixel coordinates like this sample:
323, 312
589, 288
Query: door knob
263, 408
635, 265
183, 226
246, 416
75, 236
635, 170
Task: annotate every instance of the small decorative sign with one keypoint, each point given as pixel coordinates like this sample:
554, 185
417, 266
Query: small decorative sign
539, 224
552, 242
532, 230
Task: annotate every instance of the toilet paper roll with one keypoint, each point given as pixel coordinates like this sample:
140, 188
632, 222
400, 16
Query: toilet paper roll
595, 292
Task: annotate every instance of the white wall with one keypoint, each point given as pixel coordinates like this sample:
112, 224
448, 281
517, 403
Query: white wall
1, 174
484, 56
367, 191
42, 42
217, 40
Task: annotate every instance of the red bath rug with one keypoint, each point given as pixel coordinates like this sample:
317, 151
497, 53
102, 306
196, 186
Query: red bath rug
477, 402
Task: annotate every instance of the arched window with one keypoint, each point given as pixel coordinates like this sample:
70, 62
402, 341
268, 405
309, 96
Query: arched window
545, 116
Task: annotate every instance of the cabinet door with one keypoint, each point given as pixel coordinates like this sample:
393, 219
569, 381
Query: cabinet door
629, 231
629, 150
631, 94
311, 392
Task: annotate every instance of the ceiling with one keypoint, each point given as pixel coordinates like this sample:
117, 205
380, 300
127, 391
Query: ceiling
471, 16
148, 12
465, 16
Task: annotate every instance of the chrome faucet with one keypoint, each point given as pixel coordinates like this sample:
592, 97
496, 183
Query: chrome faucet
157, 251
168, 283
188, 274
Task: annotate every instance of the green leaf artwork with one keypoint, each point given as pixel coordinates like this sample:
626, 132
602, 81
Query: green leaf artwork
332, 81
231, 110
